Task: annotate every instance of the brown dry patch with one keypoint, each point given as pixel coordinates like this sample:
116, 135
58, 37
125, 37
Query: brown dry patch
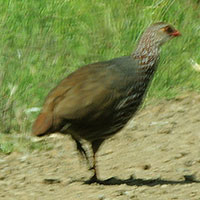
157, 156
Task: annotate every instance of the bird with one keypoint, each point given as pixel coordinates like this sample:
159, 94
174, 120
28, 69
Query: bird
97, 100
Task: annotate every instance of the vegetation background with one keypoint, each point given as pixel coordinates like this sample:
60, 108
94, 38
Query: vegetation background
42, 41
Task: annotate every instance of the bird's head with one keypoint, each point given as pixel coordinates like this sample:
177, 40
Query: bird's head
160, 32
148, 48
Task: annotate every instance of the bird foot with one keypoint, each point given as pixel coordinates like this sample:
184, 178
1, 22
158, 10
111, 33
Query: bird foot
92, 180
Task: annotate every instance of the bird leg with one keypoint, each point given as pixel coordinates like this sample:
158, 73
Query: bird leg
95, 146
81, 150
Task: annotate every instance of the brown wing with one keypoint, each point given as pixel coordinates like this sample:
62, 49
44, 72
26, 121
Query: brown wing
85, 93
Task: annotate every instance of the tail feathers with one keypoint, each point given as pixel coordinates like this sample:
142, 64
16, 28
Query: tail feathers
43, 124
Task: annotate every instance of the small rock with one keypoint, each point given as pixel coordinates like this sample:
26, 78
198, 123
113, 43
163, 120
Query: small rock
51, 181
146, 166
193, 194
189, 163
178, 156
159, 123
101, 197
184, 153
127, 193
166, 160
120, 192
163, 186
23, 158
165, 131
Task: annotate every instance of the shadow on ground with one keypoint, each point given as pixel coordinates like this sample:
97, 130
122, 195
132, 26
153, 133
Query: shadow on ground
141, 182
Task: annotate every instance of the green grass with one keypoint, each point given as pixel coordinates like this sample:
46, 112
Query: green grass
21, 143
42, 41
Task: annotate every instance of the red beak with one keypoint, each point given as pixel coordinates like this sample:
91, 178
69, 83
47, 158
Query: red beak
176, 33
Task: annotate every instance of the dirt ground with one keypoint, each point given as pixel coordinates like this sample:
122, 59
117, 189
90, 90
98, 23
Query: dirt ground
156, 157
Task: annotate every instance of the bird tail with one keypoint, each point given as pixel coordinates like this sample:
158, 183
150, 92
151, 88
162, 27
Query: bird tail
43, 124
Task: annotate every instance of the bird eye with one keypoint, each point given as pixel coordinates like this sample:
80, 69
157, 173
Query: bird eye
168, 29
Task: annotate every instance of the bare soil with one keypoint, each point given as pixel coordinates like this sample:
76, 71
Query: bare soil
156, 157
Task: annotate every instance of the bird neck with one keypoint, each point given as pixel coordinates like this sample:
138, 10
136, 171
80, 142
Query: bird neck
147, 53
